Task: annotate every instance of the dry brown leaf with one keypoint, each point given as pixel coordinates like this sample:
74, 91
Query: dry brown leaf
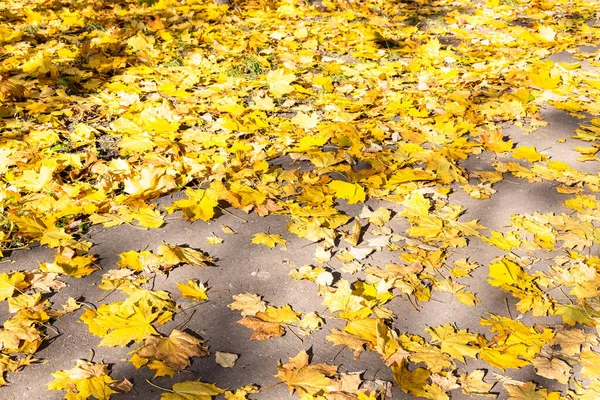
262, 330
299, 376
175, 351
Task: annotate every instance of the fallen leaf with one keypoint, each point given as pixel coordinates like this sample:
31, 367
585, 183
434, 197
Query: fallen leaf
175, 350
299, 376
193, 290
192, 390
269, 240
248, 304
226, 360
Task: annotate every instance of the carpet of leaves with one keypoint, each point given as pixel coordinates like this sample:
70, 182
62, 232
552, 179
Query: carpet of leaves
106, 106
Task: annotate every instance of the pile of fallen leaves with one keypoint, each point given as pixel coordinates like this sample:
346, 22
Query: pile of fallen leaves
105, 106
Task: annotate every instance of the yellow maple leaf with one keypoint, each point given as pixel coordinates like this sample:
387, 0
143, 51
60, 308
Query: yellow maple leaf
413, 382
306, 379
171, 255
427, 226
214, 240
379, 217
261, 329
120, 323
248, 304
161, 369
39, 64
527, 153
495, 142
552, 368
590, 364
463, 267
263, 103
325, 81
138, 261
281, 315
75, 266
269, 240
84, 380
344, 301
505, 272
572, 340
502, 358
55, 236
193, 290
526, 391
148, 217
307, 272
353, 192
23, 302
11, 283
192, 390
546, 33
467, 298
200, 204
349, 340
279, 82
241, 393
544, 77
269, 323
310, 322
456, 344
507, 241
175, 350
473, 383
305, 121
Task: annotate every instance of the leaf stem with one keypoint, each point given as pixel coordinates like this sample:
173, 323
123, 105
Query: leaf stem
160, 387
295, 334
566, 295
185, 321
507, 307
232, 214
270, 386
412, 304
